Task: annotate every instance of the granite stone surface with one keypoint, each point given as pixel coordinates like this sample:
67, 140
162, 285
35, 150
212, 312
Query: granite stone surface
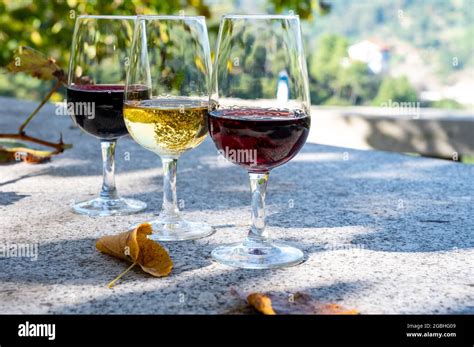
382, 232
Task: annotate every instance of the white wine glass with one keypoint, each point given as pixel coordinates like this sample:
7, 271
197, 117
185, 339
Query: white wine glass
170, 58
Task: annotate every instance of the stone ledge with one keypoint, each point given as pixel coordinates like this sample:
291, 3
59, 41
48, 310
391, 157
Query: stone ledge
433, 133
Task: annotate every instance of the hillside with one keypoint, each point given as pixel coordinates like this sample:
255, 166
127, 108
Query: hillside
432, 42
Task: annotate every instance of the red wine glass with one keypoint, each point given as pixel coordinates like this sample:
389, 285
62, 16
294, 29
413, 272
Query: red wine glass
259, 118
95, 93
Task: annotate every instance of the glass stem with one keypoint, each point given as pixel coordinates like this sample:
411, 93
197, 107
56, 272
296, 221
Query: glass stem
108, 191
258, 185
169, 209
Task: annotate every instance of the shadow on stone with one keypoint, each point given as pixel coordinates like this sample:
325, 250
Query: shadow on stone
77, 262
210, 294
8, 198
28, 175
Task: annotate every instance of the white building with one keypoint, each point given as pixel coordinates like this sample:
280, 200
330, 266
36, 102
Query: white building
374, 53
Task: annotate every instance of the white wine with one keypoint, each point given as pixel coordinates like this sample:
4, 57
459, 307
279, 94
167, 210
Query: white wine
167, 126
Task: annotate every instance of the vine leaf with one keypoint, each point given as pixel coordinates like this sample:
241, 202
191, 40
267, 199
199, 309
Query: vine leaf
36, 64
12, 147
14, 151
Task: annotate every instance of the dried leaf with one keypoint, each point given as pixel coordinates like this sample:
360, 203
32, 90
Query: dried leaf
12, 150
134, 246
272, 303
36, 64
302, 303
261, 302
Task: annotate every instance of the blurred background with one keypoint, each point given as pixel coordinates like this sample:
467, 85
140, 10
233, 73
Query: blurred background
406, 62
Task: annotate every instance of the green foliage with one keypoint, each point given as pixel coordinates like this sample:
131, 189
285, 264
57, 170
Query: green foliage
395, 89
325, 61
336, 81
304, 8
23, 86
47, 25
337, 101
356, 83
446, 103
324, 64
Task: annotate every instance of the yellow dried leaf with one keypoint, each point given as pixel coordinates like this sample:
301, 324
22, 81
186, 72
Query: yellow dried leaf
34, 63
134, 246
261, 303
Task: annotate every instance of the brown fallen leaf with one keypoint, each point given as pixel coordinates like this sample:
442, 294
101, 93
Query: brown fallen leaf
272, 303
134, 246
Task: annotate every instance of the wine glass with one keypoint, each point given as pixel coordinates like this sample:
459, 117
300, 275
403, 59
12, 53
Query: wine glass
170, 59
259, 118
96, 82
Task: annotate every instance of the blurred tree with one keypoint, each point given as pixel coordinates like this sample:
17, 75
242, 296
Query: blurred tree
47, 25
336, 80
304, 8
446, 103
324, 65
395, 89
356, 83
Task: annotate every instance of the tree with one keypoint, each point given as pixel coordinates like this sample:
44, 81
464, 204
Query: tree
334, 79
325, 63
395, 89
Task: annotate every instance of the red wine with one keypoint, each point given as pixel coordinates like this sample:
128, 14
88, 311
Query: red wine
259, 139
97, 109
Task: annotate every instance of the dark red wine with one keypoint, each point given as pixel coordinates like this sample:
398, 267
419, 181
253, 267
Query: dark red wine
97, 109
258, 139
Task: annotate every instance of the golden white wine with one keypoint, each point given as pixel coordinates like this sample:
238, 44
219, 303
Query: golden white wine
167, 126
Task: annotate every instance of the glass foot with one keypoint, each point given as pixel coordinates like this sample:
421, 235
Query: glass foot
101, 207
252, 256
179, 230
